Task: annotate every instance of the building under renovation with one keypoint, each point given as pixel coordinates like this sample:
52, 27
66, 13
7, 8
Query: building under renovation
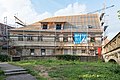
4, 38
77, 34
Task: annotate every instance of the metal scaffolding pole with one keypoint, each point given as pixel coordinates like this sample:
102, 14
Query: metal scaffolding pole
6, 33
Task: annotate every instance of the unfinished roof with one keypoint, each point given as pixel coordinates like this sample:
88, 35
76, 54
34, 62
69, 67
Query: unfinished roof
75, 21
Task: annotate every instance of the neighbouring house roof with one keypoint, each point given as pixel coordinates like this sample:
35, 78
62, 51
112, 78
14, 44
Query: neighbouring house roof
118, 34
76, 21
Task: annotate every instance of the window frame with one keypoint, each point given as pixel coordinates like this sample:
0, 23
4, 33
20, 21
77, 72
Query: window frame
83, 51
65, 38
20, 37
30, 38
92, 39
58, 26
45, 26
40, 38
43, 50
32, 51
57, 38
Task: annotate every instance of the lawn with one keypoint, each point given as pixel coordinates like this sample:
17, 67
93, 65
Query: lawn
2, 76
53, 69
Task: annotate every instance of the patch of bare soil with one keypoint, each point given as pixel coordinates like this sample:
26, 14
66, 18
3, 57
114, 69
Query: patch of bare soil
43, 71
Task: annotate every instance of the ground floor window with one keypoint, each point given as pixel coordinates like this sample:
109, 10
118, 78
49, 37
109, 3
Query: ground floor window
65, 51
32, 51
43, 51
92, 52
74, 51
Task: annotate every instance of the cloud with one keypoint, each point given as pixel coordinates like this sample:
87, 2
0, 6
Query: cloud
26, 12
23, 8
72, 9
113, 20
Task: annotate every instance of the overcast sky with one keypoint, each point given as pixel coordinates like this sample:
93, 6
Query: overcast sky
31, 11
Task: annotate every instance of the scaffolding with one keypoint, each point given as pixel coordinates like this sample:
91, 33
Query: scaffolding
75, 24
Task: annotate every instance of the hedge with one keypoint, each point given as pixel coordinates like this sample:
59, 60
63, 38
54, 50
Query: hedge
67, 57
4, 58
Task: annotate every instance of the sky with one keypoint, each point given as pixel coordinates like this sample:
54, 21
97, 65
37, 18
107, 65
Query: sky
30, 11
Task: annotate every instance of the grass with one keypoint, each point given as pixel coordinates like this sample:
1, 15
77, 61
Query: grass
2, 76
52, 69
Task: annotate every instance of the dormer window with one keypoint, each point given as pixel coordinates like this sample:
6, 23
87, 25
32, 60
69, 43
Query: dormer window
44, 26
58, 26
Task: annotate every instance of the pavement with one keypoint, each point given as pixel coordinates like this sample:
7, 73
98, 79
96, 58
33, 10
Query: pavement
21, 77
8, 67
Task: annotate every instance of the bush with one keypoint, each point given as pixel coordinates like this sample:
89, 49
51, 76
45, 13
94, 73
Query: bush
1, 72
67, 57
115, 69
4, 58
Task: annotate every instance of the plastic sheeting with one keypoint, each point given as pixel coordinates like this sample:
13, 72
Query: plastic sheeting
80, 38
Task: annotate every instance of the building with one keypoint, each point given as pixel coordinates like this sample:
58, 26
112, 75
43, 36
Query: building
77, 34
4, 37
111, 50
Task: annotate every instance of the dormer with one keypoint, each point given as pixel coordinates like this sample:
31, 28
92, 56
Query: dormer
58, 26
44, 26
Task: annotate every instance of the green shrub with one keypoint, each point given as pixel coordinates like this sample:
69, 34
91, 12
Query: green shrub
115, 69
1, 72
4, 58
67, 57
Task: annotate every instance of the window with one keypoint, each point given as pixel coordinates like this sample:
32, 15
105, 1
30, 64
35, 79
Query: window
65, 51
74, 51
92, 52
40, 38
32, 51
44, 26
65, 38
83, 51
43, 51
20, 37
58, 26
29, 38
57, 38
89, 26
92, 39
